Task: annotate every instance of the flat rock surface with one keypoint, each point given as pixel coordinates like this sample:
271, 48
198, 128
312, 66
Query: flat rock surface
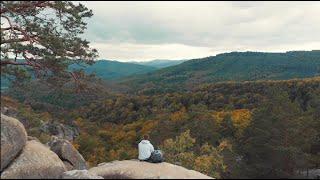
79, 174
145, 170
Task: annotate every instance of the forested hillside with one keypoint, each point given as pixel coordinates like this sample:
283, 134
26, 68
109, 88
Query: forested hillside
219, 127
234, 66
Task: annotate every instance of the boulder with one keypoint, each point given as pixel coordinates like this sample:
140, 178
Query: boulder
68, 165
311, 174
13, 139
79, 174
35, 161
8, 111
60, 130
144, 170
13, 112
30, 138
66, 152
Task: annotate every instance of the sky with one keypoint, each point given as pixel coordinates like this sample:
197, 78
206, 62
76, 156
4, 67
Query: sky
141, 31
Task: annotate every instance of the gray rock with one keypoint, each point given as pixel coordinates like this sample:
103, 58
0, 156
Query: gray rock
60, 130
35, 161
79, 174
30, 138
9, 111
12, 112
311, 174
66, 152
68, 165
144, 170
13, 139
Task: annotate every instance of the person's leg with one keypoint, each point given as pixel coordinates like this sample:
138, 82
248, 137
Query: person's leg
146, 160
149, 160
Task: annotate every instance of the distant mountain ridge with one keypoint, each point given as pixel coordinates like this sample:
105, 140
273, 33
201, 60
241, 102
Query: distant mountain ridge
107, 69
112, 70
181, 74
160, 63
234, 66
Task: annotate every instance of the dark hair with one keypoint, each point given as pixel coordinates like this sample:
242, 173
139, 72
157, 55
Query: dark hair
146, 137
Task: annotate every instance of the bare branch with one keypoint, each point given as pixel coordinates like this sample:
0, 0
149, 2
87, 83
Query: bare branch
8, 62
14, 40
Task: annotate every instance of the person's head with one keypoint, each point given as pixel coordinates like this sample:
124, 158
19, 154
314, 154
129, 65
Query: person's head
146, 137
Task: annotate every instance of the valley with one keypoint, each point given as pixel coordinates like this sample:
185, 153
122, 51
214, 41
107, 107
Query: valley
160, 90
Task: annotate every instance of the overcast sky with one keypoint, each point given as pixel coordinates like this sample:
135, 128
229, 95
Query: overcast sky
140, 31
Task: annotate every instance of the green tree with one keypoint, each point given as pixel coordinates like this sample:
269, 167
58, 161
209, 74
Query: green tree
227, 128
182, 151
179, 151
43, 36
273, 144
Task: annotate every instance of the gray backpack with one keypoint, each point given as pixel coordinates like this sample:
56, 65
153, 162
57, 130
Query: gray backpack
157, 156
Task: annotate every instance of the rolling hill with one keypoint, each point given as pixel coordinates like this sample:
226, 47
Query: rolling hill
109, 70
105, 69
234, 66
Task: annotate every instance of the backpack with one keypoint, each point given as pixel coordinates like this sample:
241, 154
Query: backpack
157, 156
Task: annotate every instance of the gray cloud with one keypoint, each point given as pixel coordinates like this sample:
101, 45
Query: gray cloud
120, 29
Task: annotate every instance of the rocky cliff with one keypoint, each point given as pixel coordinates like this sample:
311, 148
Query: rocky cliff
25, 157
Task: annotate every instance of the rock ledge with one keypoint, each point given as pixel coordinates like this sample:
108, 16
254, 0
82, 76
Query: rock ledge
144, 170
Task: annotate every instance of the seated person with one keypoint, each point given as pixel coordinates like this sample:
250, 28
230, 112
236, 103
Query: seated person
147, 152
145, 149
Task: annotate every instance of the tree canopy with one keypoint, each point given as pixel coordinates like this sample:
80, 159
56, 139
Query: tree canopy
44, 36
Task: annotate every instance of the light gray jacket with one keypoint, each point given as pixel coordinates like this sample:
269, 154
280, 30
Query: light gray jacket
145, 149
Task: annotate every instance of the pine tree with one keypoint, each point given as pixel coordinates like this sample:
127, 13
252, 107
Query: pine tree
43, 36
